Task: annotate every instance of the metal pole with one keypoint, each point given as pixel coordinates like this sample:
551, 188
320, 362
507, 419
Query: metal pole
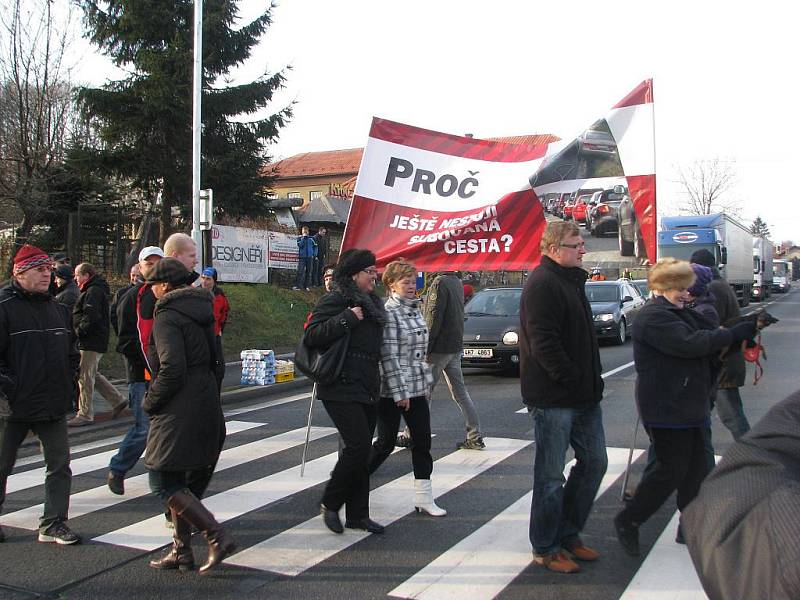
630, 458
197, 125
308, 429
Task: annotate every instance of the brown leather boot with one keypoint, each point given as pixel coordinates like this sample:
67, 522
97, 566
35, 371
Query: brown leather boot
180, 555
190, 509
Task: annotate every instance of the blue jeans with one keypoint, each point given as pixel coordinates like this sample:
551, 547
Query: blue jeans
305, 266
560, 507
134, 442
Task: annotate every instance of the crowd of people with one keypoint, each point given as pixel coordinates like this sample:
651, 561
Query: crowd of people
54, 328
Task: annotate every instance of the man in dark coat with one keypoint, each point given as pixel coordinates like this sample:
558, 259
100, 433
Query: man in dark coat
732, 377
134, 320
323, 251
90, 318
560, 376
134, 277
38, 367
742, 529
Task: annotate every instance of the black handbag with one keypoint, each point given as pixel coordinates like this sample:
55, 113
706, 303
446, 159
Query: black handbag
321, 366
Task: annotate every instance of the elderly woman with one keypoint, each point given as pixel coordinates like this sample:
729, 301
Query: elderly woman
351, 400
673, 347
406, 380
187, 428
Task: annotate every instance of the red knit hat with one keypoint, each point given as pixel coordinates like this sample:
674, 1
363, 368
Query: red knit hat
468, 291
29, 257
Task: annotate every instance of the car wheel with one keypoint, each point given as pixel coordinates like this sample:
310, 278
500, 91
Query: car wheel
622, 334
625, 247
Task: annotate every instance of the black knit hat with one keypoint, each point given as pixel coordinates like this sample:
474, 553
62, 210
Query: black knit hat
704, 257
65, 272
170, 270
352, 261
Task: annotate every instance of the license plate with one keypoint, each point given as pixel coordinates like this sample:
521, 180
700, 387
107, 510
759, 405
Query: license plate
477, 353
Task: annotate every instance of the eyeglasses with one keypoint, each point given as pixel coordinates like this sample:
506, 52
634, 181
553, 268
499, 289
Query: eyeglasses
370, 271
573, 246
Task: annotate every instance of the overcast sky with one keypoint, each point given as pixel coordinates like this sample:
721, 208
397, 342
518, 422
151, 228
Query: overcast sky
725, 84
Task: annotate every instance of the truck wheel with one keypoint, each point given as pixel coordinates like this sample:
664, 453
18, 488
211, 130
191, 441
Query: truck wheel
625, 247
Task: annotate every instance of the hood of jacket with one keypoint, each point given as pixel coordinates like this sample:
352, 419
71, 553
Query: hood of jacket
196, 304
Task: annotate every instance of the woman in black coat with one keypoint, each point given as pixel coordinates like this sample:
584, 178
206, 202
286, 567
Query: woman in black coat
351, 401
673, 348
187, 428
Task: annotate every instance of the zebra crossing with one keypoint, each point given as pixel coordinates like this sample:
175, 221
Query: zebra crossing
481, 564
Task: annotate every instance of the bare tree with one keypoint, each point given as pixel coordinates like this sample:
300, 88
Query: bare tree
706, 185
36, 108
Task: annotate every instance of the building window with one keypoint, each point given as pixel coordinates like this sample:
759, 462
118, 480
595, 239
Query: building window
315, 196
294, 195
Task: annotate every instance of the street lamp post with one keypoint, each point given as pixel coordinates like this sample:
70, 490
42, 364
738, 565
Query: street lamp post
197, 126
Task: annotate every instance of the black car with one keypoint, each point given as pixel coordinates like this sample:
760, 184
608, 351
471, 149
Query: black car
601, 219
615, 305
491, 329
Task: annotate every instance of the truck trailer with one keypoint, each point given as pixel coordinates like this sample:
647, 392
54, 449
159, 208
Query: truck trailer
729, 241
762, 268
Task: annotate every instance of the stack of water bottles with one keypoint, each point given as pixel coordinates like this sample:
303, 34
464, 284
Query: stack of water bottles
258, 367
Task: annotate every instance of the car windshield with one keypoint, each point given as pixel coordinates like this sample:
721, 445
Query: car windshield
602, 293
496, 303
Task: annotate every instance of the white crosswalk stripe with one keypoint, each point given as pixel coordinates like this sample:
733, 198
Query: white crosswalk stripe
99, 497
480, 565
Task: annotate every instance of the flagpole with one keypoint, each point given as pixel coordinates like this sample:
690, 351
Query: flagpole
655, 187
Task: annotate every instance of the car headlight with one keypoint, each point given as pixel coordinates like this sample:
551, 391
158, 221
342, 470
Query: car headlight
604, 317
511, 338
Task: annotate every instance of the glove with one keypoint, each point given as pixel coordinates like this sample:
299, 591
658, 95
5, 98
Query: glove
744, 331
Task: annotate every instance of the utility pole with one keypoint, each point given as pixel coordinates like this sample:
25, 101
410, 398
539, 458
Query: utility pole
197, 126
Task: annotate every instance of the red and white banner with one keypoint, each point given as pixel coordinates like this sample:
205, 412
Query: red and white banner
447, 202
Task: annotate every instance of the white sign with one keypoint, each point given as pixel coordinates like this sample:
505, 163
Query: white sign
285, 217
240, 254
282, 250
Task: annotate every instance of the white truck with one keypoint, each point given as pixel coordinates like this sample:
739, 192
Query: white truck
780, 276
762, 269
730, 242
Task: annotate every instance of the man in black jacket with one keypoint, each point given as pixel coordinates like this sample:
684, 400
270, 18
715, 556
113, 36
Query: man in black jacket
560, 376
90, 318
38, 367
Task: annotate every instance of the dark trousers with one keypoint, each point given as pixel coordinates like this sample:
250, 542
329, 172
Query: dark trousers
418, 418
305, 265
165, 483
681, 464
349, 482
58, 478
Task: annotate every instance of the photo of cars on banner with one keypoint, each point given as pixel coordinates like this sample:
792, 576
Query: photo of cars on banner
584, 181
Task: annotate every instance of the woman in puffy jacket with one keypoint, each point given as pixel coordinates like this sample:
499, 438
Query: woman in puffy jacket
351, 308
673, 348
406, 380
187, 428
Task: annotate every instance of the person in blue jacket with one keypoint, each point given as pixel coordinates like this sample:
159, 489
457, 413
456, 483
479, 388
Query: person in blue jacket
306, 252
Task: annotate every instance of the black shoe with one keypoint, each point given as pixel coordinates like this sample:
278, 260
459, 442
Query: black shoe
473, 444
331, 518
366, 524
679, 536
628, 535
59, 533
116, 484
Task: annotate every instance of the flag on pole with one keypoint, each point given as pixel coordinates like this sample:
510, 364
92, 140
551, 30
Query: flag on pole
446, 202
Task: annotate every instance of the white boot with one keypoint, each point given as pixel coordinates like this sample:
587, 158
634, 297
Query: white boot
423, 498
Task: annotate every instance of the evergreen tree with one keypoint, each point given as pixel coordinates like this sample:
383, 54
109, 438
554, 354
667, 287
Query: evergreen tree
759, 228
144, 122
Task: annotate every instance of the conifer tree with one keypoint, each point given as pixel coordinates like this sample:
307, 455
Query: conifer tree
144, 121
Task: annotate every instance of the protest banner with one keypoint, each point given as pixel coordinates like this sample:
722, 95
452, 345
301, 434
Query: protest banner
447, 202
282, 250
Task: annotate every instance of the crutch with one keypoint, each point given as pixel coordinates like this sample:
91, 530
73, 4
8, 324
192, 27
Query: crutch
630, 458
308, 429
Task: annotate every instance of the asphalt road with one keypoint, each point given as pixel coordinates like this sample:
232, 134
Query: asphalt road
479, 550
